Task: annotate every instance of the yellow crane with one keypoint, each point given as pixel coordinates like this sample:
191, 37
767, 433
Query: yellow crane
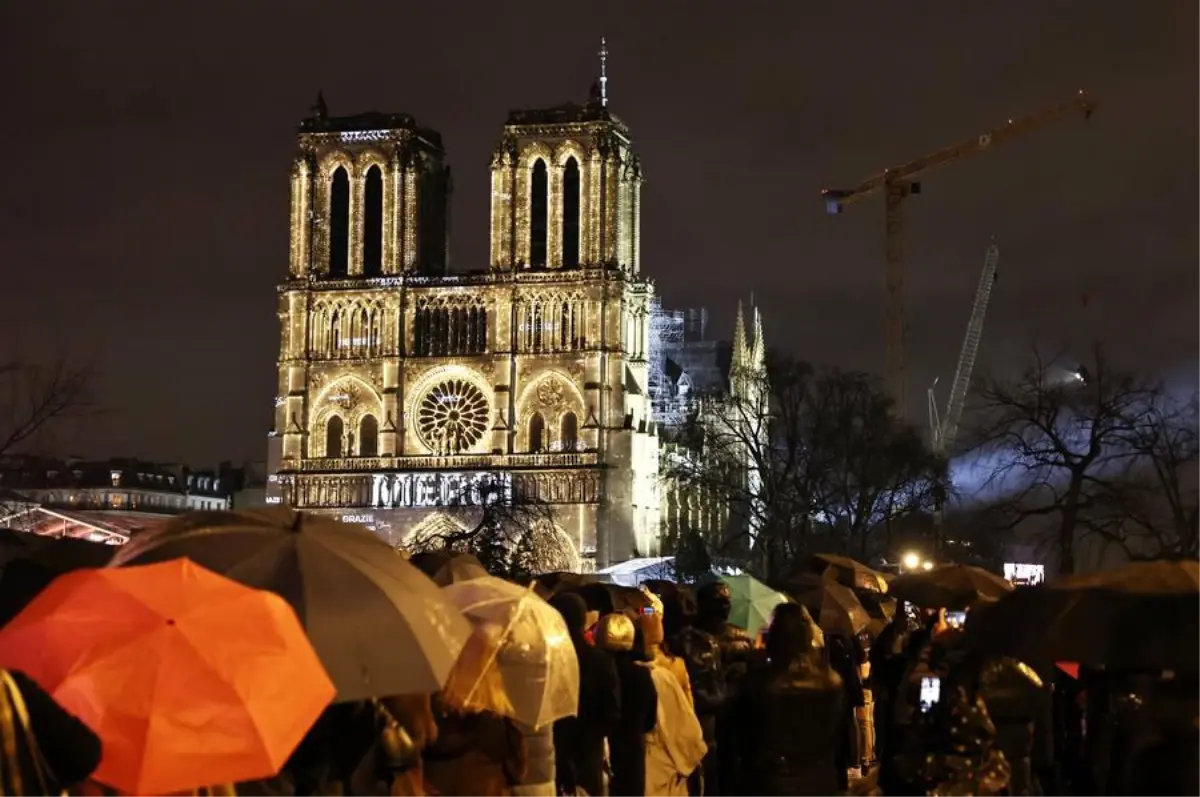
900, 182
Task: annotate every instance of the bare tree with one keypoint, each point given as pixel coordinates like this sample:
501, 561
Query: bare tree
508, 528
819, 465
872, 466
33, 398
1151, 509
1058, 434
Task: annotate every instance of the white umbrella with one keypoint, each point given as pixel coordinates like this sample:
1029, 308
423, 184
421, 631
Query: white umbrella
520, 661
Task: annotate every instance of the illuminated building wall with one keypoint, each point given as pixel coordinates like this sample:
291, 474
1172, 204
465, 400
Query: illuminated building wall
403, 388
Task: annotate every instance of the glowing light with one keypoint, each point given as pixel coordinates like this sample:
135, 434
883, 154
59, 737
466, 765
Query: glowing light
361, 136
927, 565
911, 560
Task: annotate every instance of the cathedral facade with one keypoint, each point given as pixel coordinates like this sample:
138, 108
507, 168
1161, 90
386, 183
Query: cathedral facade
408, 395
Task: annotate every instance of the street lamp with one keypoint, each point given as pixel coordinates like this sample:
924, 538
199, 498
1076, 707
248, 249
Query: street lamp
911, 560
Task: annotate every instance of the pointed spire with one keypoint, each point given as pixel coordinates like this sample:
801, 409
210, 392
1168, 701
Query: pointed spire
320, 109
740, 353
603, 72
758, 353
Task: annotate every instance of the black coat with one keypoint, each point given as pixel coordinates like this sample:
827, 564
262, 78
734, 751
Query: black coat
70, 751
786, 723
579, 740
639, 715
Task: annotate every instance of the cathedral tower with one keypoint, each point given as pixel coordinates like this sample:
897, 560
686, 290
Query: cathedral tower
370, 197
566, 190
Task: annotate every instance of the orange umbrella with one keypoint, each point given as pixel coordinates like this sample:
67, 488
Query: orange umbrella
188, 678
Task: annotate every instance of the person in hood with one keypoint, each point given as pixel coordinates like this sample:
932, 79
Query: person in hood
579, 740
639, 705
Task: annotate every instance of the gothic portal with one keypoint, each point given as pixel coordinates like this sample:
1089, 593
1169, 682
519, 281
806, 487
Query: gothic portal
408, 394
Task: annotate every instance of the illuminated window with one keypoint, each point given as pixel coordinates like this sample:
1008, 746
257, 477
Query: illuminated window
116, 478
333, 437
570, 211
372, 246
569, 432
339, 223
368, 437
538, 206
537, 433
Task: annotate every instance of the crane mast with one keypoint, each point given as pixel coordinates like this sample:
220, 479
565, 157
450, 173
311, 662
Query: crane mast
944, 429
900, 182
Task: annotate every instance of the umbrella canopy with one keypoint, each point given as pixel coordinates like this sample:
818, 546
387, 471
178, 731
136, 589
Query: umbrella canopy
380, 626
753, 602
188, 678
847, 572
835, 608
1145, 615
447, 567
31, 562
609, 598
949, 587
558, 581
520, 661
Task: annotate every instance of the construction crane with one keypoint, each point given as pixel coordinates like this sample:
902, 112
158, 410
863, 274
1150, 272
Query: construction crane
899, 183
944, 428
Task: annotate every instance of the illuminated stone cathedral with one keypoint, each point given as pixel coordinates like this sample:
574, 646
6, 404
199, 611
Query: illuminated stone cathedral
406, 390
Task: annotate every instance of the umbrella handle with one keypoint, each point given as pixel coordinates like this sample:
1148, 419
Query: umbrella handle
12, 726
496, 651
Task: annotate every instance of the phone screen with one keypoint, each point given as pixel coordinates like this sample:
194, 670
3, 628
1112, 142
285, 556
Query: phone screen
931, 693
956, 619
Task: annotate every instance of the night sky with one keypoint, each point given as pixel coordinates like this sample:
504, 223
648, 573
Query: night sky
144, 204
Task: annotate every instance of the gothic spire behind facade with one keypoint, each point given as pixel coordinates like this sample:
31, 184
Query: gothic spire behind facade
758, 346
740, 353
603, 72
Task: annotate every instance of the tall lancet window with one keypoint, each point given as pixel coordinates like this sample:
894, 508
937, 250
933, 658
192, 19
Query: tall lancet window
339, 223
538, 207
570, 214
372, 245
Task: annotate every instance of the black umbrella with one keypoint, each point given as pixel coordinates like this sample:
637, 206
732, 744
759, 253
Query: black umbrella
609, 598
447, 567
1143, 616
561, 580
31, 562
380, 625
949, 587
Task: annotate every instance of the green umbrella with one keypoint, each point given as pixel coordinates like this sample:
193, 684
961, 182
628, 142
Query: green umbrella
753, 602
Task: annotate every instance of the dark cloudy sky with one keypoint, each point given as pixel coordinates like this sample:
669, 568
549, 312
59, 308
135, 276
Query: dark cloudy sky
144, 202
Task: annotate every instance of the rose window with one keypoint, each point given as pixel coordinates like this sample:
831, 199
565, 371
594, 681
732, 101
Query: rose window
452, 416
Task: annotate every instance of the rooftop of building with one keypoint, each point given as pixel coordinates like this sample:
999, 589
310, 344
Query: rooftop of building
321, 122
34, 472
569, 113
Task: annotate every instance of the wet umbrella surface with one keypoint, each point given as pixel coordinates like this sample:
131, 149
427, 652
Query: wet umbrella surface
380, 625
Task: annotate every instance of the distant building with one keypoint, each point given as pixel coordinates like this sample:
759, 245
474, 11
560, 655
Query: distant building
102, 500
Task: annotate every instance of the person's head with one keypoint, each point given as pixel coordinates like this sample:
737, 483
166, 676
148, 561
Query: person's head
679, 611
790, 636
714, 602
615, 633
650, 621
574, 612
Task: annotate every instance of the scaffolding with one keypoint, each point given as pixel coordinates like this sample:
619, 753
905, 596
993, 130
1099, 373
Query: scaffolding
666, 333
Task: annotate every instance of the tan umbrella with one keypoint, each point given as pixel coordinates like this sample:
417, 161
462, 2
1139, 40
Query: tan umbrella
847, 572
835, 608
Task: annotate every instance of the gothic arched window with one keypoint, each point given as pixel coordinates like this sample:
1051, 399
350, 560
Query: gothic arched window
569, 432
538, 212
372, 244
368, 436
335, 333
339, 223
334, 430
570, 214
537, 433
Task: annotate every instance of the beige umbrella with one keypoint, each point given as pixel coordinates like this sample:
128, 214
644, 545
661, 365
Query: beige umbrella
520, 661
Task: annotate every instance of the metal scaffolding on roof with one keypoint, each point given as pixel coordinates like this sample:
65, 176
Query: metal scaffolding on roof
666, 332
